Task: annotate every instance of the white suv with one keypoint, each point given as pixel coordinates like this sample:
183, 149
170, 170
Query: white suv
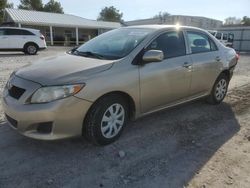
21, 39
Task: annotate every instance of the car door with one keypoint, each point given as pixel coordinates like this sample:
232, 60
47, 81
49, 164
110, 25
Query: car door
16, 39
206, 62
4, 41
165, 82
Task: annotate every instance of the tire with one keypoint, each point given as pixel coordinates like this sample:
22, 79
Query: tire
30, 49
100, 127
219, 90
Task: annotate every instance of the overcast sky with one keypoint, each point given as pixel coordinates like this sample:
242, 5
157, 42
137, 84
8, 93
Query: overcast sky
141, 9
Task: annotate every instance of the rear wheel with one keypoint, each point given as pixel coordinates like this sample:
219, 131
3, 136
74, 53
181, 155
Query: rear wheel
106, 119
219, 90
30, 48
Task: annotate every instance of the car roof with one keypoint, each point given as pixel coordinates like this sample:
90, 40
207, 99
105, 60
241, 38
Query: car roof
29, 29
162, 27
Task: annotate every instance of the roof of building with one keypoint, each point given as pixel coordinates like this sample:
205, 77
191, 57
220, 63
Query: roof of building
29, 17
172, 17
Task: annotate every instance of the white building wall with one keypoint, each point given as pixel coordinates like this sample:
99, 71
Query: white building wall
202, 22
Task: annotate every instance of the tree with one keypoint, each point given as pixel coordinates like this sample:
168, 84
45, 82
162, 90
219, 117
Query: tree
162, 15
53, 6
232, 21
246, 21
4, 4
110, 14
31, 5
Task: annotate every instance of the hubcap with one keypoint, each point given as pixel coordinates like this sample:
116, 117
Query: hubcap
31, 49
112, 120
221, 89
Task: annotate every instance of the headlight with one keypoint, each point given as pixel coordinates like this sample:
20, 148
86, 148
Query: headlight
51, 93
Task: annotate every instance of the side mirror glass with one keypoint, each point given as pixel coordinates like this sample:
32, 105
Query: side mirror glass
153, 56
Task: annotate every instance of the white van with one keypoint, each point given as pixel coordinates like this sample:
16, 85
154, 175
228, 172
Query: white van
21, 39
225, 38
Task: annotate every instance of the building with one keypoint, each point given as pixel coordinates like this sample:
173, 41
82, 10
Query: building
58, 29
195, 21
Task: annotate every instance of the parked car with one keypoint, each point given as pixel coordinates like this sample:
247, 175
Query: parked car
118, 76
225, 38
21, 39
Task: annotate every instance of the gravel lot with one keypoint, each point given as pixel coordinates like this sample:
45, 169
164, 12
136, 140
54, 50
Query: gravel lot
192, 145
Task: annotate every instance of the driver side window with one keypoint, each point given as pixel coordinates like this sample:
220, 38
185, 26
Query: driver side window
170, 43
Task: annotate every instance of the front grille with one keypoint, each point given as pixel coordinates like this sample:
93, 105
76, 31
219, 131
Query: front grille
12, 121
16, 92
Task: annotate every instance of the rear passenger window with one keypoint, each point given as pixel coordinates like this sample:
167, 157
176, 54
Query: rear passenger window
213, 45
25, 32
1, 32
200, 42
18, 32
171, 44
13, 32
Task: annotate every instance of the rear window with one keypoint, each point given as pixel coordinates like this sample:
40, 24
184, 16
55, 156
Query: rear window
218, 36
224, 36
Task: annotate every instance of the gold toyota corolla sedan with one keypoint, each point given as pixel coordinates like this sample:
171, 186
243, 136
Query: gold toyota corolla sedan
123, 74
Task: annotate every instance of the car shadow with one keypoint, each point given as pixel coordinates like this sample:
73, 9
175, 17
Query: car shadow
165, 149
14, 54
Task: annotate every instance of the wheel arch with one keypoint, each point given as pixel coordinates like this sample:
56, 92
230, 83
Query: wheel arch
30, 42
124, 95
226, 72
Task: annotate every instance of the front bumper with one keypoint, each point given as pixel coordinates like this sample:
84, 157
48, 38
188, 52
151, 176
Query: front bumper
65, 116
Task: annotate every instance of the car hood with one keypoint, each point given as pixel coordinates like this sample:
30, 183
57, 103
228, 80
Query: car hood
63, 69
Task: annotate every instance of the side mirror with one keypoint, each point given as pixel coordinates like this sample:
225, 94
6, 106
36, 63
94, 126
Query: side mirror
153, 56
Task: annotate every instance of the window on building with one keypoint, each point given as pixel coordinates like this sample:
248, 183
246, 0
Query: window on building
47, 33
68, 33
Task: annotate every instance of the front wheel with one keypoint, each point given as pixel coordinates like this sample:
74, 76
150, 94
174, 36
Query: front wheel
219, 90
106, 119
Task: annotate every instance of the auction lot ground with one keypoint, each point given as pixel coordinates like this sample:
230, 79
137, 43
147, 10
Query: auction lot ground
192, 145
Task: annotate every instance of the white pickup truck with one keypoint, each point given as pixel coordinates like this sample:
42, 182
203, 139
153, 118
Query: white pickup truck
225, 38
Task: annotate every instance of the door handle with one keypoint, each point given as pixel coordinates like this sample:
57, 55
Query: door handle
4, 37
217, 58
187, 65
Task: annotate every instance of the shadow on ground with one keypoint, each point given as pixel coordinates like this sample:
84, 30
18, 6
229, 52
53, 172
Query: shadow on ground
14, 54
165, 149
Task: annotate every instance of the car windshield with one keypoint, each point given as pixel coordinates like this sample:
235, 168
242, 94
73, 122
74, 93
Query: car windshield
114, 44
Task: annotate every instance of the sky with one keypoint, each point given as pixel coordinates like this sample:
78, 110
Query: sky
142, 9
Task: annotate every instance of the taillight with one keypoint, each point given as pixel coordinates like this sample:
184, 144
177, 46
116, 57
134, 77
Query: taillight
237, 57
42, 37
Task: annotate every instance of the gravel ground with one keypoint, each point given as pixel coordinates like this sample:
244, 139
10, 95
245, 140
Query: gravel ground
192, 145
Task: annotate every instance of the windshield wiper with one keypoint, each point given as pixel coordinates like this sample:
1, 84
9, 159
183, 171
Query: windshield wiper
90, 54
